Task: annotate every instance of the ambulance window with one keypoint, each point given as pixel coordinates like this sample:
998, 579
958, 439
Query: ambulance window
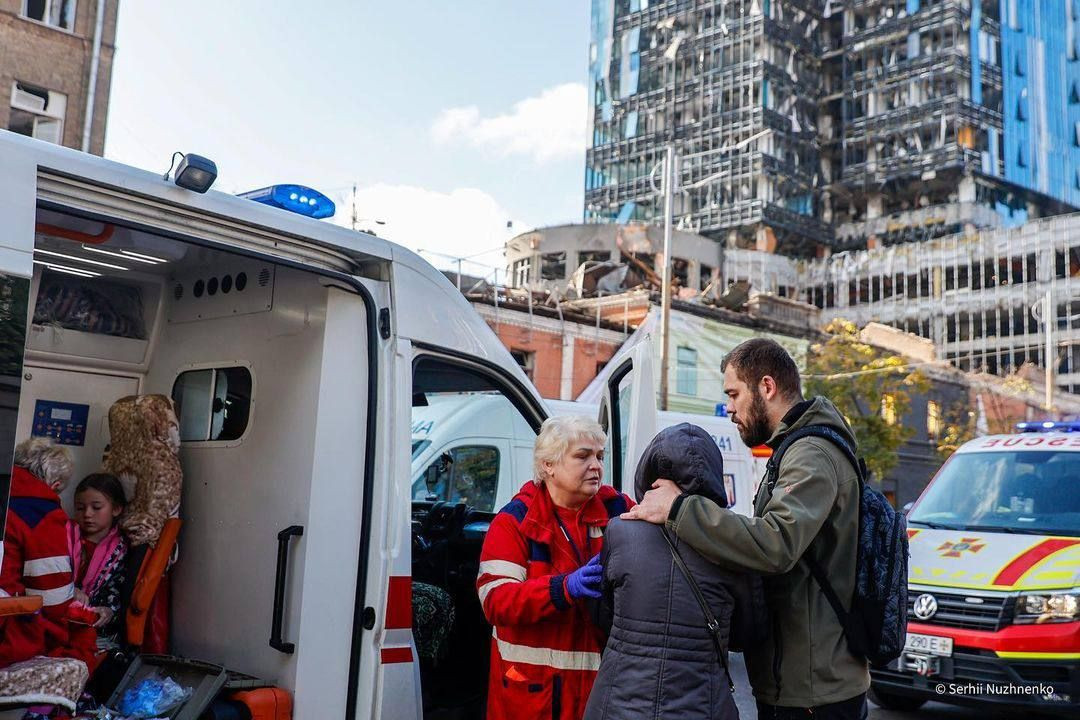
14, 294
418, 446
468, 474
479, 444
608, 452
625, 387
213, 404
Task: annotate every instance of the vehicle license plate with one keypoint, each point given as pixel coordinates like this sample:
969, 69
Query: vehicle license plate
928, 644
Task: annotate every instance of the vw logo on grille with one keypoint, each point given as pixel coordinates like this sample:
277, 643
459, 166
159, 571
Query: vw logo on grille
925, 606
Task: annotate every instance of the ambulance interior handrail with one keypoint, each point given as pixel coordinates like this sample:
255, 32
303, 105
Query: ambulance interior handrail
276, 641
77, 236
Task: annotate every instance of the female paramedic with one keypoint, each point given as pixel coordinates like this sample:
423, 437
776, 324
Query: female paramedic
539, 565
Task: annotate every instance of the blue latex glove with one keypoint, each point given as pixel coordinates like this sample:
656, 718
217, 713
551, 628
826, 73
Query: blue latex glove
585, 581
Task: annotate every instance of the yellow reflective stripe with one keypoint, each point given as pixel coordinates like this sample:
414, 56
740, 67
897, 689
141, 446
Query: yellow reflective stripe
1037, 655
547, 657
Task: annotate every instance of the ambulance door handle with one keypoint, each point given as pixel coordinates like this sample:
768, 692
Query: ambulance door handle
283, 539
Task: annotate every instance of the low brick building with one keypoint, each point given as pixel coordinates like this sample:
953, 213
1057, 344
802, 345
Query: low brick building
54, 54
560, 352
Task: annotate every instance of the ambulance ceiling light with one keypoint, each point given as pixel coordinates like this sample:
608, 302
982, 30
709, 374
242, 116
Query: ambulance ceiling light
126, 255
88, 261
195, 172
294, 198
68, 270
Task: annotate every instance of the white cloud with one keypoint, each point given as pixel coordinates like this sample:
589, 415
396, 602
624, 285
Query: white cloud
550, 126
462, 223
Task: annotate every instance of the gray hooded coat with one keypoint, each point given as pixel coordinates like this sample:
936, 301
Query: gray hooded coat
659, 661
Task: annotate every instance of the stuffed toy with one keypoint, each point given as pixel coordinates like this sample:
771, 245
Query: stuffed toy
143, 454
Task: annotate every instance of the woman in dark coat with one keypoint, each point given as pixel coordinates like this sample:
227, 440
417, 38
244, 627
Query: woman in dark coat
660, 661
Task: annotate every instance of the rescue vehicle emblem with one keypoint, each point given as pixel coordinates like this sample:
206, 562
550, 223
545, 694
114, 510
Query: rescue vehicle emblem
925, 606
957, 549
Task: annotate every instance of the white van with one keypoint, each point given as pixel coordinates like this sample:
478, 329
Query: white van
301, 355
478, 451
741, 470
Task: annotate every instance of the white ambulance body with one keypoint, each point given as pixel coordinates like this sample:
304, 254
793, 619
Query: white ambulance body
741, 476
994, 579
298, 353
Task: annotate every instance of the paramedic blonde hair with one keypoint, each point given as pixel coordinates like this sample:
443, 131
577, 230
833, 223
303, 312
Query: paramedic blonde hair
49, 463
556, 436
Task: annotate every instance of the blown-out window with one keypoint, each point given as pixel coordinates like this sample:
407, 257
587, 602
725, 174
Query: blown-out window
58, 13
213, 404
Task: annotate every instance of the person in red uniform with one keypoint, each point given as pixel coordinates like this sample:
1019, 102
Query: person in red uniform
36, 560
539, 565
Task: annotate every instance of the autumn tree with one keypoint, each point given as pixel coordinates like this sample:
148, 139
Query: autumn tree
871, 387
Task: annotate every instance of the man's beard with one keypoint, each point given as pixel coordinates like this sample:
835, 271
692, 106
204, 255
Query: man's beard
754, 427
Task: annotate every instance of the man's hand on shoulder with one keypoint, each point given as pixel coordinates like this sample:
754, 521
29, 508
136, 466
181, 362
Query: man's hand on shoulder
656, 505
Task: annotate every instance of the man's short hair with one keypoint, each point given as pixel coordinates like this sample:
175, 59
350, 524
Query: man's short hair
756, 358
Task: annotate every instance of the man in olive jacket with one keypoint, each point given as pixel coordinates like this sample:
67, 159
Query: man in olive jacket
813, 509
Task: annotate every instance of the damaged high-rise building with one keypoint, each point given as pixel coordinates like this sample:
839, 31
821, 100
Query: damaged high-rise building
809, 126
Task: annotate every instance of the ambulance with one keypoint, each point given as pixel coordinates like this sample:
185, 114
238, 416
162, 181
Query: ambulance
994, 579
301, 357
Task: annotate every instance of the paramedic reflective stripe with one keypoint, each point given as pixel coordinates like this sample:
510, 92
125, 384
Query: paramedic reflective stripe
503, 568
486, 588
547, 657
56, 596
47, 566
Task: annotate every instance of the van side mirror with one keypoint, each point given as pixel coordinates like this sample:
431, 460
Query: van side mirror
437, 475
907, 508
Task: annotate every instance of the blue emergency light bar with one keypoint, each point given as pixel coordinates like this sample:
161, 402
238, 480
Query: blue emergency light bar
1048, 426
294, 198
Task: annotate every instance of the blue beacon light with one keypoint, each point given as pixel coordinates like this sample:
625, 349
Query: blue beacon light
1049, 426
294, 198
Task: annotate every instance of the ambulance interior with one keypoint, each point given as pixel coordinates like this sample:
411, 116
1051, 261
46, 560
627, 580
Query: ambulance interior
241, 345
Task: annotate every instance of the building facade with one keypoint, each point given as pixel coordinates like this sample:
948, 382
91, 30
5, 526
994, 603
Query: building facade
560, 352
978, 297
709, 78
56, 61
810, 126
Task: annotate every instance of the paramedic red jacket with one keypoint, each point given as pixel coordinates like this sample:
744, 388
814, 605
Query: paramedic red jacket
545, 650
36, 562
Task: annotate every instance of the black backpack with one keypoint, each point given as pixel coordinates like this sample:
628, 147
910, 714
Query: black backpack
876, 625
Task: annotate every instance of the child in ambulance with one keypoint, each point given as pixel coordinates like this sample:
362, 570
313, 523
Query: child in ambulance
97, 549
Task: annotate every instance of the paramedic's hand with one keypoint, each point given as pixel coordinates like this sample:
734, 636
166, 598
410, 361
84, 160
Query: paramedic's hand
656, 505
80, 597
585, 581
104, 616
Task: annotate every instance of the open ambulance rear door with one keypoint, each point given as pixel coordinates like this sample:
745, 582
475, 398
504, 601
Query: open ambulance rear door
628, 415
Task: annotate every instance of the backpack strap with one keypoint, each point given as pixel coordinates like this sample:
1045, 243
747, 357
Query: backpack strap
821, 431
773, 474
712, 625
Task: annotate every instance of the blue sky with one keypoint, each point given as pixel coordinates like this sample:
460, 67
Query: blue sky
452, 117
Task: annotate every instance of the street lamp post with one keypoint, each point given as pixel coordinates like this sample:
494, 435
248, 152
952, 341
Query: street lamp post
665, 288
668, 188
